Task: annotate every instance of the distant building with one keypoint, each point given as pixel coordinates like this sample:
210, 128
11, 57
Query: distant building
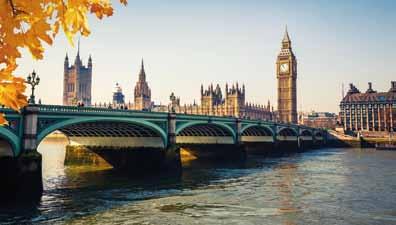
77, 81
142, 94
369, 111
231, 104
118, 96
325, 120
286, 72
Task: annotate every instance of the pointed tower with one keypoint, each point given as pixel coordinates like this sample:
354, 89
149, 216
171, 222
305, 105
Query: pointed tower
90, 62
66, 89
77, 82
286, 72
142, 73
142, 91
66, 63
77, 61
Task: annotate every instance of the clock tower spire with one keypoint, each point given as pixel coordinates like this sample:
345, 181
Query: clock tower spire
286, 73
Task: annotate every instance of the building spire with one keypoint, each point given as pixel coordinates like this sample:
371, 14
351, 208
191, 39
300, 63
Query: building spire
90, 61
142, 74
78, 60
78, 50
66, 63
286, 37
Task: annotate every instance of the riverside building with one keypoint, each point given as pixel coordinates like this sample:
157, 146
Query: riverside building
232, 103
369, 111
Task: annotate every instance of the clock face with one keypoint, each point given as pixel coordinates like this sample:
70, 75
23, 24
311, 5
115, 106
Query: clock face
284, 67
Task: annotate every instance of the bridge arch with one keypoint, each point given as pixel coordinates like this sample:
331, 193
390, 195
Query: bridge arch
318, 134
253, 129
145, 125
214, 130
257, 133
10, 139
287, 131
306, 133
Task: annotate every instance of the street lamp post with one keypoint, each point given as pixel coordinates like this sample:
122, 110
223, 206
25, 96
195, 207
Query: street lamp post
33, 80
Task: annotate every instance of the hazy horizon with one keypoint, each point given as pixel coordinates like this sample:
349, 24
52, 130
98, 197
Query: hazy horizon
185, 44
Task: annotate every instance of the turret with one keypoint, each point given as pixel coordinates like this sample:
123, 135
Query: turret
66, 64
90, 62
393, 86
217, 90
77, 61
370, 88
352, 89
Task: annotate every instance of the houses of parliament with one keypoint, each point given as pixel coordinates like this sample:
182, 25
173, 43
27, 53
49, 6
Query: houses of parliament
213, 100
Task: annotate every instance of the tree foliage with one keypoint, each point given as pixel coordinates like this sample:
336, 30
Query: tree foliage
28, 24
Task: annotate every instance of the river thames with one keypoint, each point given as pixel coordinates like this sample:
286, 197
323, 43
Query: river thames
327, 186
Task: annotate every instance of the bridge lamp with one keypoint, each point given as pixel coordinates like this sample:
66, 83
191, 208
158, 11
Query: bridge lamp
33, 79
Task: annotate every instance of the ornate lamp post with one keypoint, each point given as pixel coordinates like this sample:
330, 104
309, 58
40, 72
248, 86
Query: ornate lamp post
33, 80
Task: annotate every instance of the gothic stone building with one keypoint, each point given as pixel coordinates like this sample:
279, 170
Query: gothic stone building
231, 104
369, 111
142, 94
77, 81
286, 70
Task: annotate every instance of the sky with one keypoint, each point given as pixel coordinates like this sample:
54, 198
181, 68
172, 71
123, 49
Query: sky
188, 43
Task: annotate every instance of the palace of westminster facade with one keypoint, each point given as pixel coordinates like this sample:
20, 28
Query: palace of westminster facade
231, 102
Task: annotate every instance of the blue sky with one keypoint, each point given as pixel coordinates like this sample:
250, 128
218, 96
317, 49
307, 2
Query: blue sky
186, 43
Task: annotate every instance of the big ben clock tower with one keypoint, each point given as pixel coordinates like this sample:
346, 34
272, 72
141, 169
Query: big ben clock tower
286, 72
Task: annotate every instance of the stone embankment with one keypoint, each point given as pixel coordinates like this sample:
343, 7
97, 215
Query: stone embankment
337, 139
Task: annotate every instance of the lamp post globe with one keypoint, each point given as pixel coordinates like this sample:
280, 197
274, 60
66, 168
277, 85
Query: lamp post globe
33, 79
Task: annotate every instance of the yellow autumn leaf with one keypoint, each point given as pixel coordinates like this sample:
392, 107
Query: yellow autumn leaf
27, 24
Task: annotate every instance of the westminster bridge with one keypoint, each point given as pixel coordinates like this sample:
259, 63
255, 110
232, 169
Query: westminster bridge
138, 141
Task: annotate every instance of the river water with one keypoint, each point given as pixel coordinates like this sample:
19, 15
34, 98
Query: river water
327, 186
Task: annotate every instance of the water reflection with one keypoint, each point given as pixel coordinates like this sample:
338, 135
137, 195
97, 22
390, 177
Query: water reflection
331, 186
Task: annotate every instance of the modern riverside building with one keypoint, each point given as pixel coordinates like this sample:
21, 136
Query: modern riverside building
369, 111
231, 104
77, 81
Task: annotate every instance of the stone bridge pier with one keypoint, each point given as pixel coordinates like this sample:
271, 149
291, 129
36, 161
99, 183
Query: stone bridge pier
209, 140
130, 148
21, 174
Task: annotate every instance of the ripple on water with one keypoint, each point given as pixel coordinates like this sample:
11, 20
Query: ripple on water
331, 186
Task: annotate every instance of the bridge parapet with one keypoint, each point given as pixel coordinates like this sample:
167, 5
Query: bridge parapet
59, 109
37, 121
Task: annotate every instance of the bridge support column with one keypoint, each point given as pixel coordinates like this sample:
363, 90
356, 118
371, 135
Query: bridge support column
21, 176
172, 160
275, 137
238, 138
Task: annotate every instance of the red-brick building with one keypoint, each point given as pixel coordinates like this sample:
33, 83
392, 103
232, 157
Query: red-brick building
369, 111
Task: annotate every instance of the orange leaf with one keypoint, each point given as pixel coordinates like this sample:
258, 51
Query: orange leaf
3, 121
